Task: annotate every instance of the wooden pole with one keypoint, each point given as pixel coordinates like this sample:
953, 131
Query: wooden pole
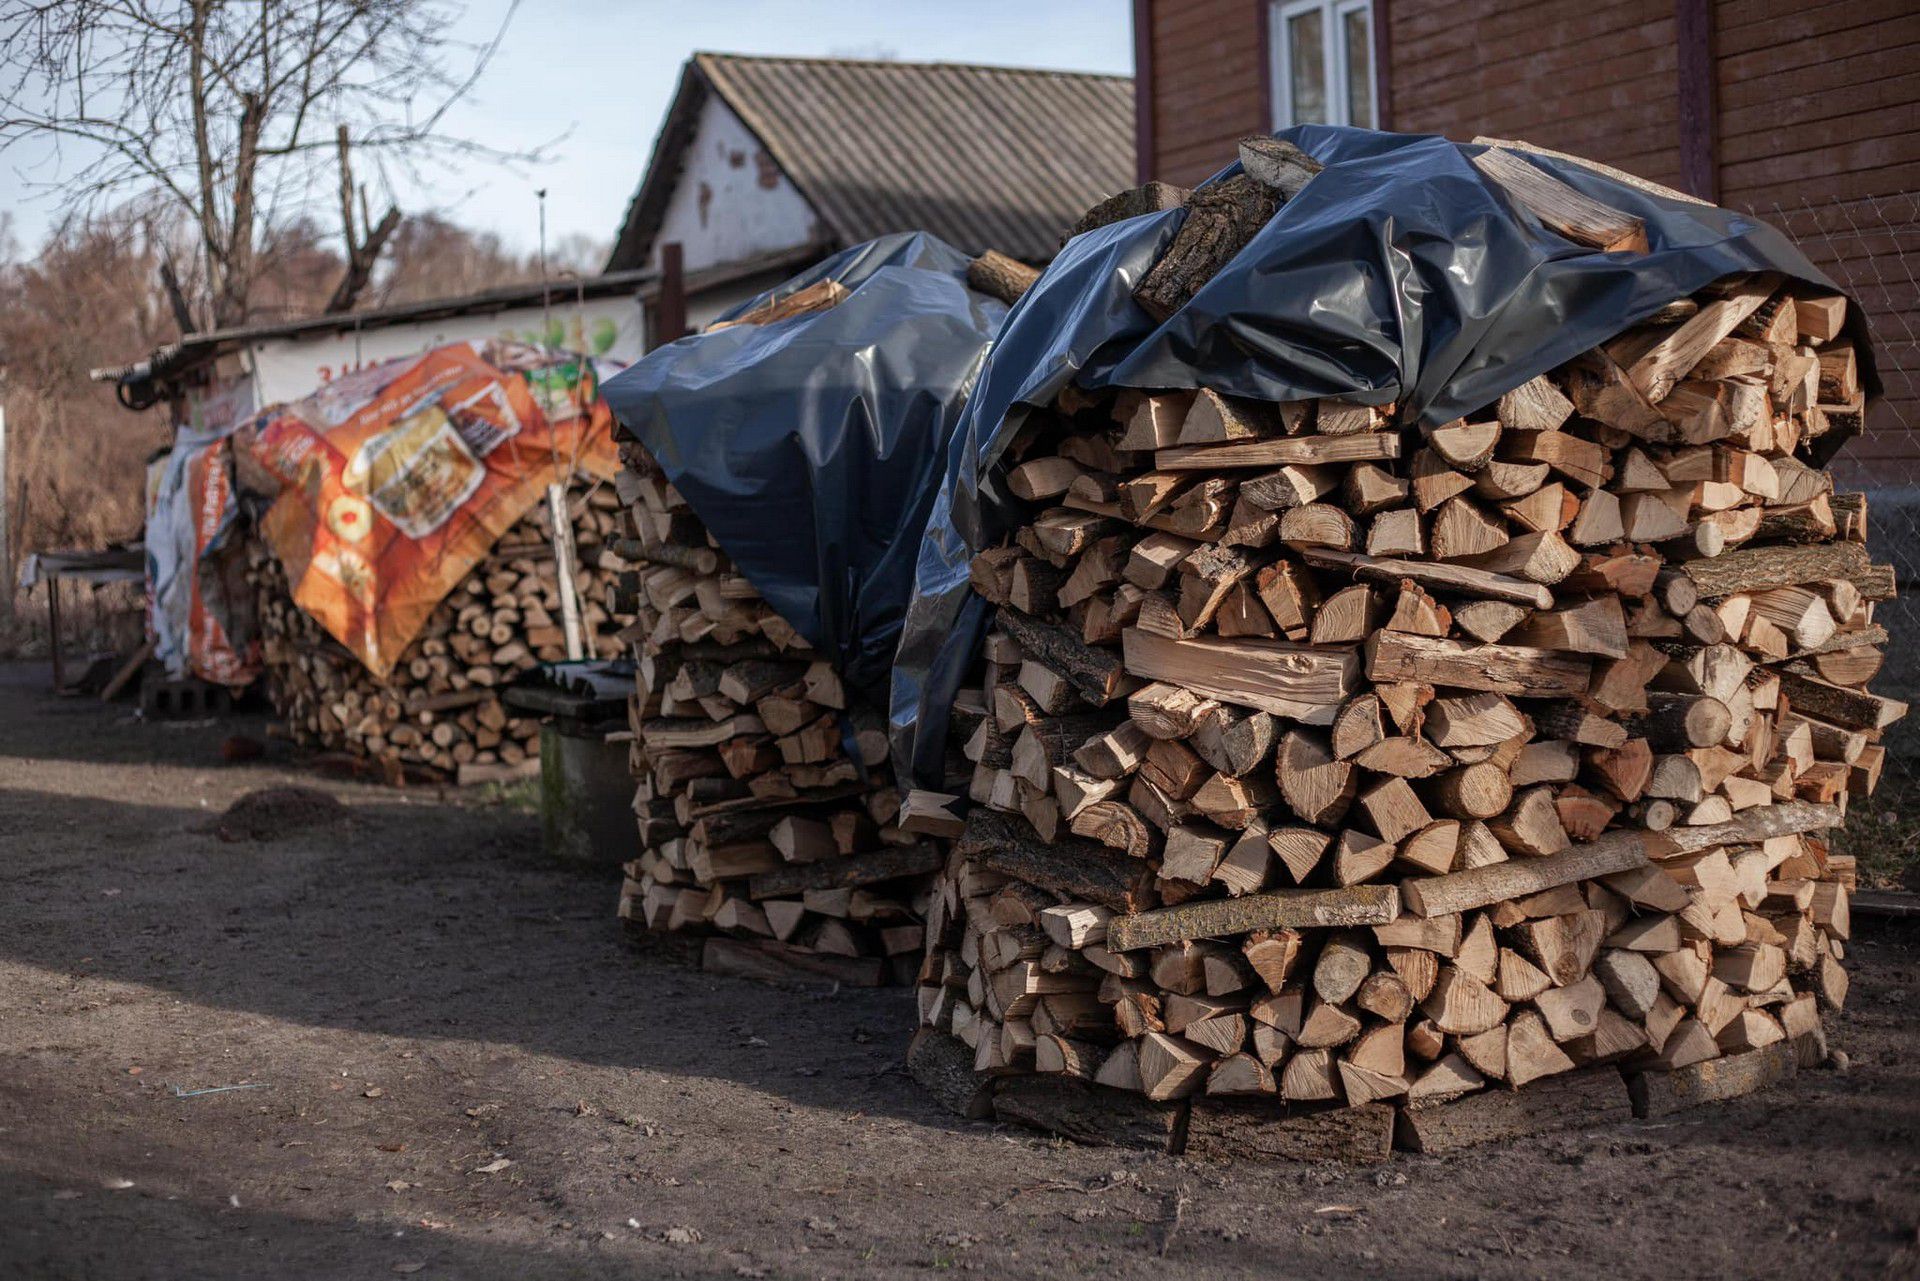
53, 631
563, 560
670, 309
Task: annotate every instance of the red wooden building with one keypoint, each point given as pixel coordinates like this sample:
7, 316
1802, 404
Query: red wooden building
1805, 113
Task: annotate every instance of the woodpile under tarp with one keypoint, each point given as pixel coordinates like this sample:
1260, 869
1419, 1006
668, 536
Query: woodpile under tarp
439, 710
768, 814
1330, 765
756, 824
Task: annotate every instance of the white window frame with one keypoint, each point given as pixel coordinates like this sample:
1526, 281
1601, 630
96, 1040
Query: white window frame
1333, 15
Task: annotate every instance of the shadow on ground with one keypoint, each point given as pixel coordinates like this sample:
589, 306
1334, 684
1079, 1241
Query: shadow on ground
456, 1059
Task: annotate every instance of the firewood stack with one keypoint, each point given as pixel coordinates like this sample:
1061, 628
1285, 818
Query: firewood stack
439, 710
1328, 761
754, 821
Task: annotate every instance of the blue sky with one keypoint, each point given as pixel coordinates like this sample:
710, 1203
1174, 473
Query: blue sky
602, 72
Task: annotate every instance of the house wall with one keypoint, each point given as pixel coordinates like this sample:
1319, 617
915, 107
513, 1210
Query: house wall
1591, 77
1206, 82
285, 369
732, 203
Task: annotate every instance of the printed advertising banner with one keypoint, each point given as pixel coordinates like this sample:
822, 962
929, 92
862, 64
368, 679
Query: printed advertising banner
397, 479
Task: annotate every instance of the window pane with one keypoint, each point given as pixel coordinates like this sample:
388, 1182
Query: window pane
1307, 68
1358, 39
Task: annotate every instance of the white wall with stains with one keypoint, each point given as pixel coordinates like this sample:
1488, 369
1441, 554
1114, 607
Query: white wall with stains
731, 202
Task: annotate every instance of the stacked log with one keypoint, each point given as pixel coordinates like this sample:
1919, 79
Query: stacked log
755, 822
439, 711
1322, 761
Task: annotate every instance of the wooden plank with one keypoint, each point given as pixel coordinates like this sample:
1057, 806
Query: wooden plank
1594, 1097
1091, 1114
774, 962
1278, 909
922, 859
943, 1067
1501, 669
1365, 447
1516, 878
129, 669
1579, 218
1763, 822
1298, 681
1727, 1077
1359, 1135
1449, 578
1076, 869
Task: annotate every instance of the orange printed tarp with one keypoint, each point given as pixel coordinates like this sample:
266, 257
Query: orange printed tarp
397, 479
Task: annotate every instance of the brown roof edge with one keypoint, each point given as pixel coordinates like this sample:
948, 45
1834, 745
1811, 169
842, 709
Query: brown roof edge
194, 349
815, 147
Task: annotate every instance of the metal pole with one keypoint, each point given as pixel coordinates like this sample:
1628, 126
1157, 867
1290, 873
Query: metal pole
6, 520
53, 631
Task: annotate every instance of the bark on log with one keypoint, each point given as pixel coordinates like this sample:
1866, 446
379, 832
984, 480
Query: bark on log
1752, 569
1279, 909
846, 873
1658, 1093
1097, 673
1516, 878
1449, 578
1360, 1135
1091, 1114
1591, 1098
998, 276
1076, 869
943, 1067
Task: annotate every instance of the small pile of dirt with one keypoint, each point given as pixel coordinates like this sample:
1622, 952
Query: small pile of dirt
277, 811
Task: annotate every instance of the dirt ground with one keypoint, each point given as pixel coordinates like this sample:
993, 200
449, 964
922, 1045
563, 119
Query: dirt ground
457, 1066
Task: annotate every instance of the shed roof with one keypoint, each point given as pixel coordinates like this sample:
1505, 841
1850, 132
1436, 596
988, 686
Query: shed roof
173, 357
983, 157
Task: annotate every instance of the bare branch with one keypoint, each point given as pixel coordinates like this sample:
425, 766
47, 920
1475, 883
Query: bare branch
225, 107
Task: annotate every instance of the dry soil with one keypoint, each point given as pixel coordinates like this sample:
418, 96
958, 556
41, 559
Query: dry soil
453, 1064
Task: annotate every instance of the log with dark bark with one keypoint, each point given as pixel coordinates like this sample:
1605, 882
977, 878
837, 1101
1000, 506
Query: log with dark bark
998, 276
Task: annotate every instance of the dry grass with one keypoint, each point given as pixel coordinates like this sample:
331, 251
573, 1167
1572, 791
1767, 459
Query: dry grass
1883, 831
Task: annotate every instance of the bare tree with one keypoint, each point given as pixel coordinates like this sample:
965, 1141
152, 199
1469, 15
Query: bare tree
237, 110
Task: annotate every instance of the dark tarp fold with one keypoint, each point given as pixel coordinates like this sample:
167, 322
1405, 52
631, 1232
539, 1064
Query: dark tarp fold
813, 448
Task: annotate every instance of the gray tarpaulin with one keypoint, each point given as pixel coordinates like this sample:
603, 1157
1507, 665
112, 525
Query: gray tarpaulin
1399, 274
812, 448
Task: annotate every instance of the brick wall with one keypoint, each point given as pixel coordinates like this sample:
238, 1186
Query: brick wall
1819, 134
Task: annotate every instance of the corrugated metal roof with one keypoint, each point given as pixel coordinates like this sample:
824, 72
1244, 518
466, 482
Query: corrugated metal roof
983, 157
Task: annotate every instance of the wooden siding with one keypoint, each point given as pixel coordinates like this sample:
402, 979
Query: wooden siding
1206, 78
1593, 77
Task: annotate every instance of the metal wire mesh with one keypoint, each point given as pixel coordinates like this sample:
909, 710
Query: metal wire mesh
1871, 248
